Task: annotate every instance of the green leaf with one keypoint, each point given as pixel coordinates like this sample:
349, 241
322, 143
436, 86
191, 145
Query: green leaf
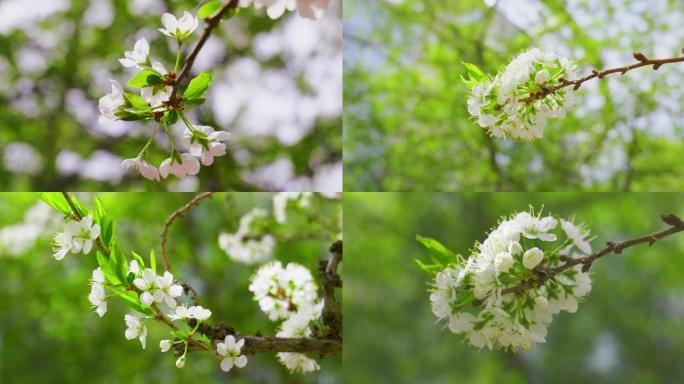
209, 9
136, 101
145, 78
107, 268
437, 250
199, 101
198, 86
132, 116
139, 259
107, 232
119, 260
132, 301
57, 201
431, 269
153, 261
474, 72
170, 117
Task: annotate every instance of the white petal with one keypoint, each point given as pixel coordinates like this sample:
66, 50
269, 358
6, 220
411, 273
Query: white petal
240, 361
226, 364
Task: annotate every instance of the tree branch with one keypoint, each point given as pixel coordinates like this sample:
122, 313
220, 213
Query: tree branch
576, 84
211, 23
332, 312
675, 223
178, 213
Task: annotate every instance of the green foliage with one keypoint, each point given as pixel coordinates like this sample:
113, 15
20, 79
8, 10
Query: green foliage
406, 122
198, 87
145, 78
209, 8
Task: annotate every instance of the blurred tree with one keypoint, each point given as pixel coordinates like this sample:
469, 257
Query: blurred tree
406, 123
277, 92
627, 331
49, 333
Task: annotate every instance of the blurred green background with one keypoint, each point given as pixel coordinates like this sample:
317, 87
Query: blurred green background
49, 333
277, 89
629, 330
405, 118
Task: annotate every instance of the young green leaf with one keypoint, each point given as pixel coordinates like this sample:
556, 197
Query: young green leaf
57, 201
132, 300
209, 9
107, 268
199, 101
145, 78
439, 253
136, 101
139, 259
153, 261
198, 86
474, 72
170, 117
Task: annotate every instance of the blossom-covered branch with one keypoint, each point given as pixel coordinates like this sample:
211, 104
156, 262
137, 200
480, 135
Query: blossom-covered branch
284, 293
211, 23
505, 293
522, 96
616, 247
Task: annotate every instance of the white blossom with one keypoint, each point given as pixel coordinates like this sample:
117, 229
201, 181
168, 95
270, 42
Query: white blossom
135, 329
98, 295
78, 236
147, 170
206, 149
181, 28
515, 102
282, 291
158, 289
468, 295
230, 349
180, 362
195, 312
139, 56
577, 234
111, 103
244, 246
297, 325
187, 167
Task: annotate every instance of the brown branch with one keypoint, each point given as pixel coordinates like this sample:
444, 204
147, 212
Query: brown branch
332, 311
258, 344
576, 84
616, 247
178, 213
211, 23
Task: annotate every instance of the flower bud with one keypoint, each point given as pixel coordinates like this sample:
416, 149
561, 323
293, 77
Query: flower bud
532, 257
541, 302
165, 345
503, 262
515, 248
180, 363
541, 77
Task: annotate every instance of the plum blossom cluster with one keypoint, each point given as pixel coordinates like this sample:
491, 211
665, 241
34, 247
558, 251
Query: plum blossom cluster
289, 294
470, 295
78, 236
247, 245
160, 96
156, 100
312, 9
518, 101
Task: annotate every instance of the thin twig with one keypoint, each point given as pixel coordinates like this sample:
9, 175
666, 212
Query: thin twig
211, 23
675, 223
576, 84
178, 213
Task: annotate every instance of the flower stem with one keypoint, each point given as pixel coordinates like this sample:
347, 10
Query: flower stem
154, 134
187, 122
168, 134
178, 56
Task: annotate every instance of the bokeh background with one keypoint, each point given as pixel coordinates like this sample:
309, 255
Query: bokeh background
629, 330
406, 123
277, 88
50, 334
